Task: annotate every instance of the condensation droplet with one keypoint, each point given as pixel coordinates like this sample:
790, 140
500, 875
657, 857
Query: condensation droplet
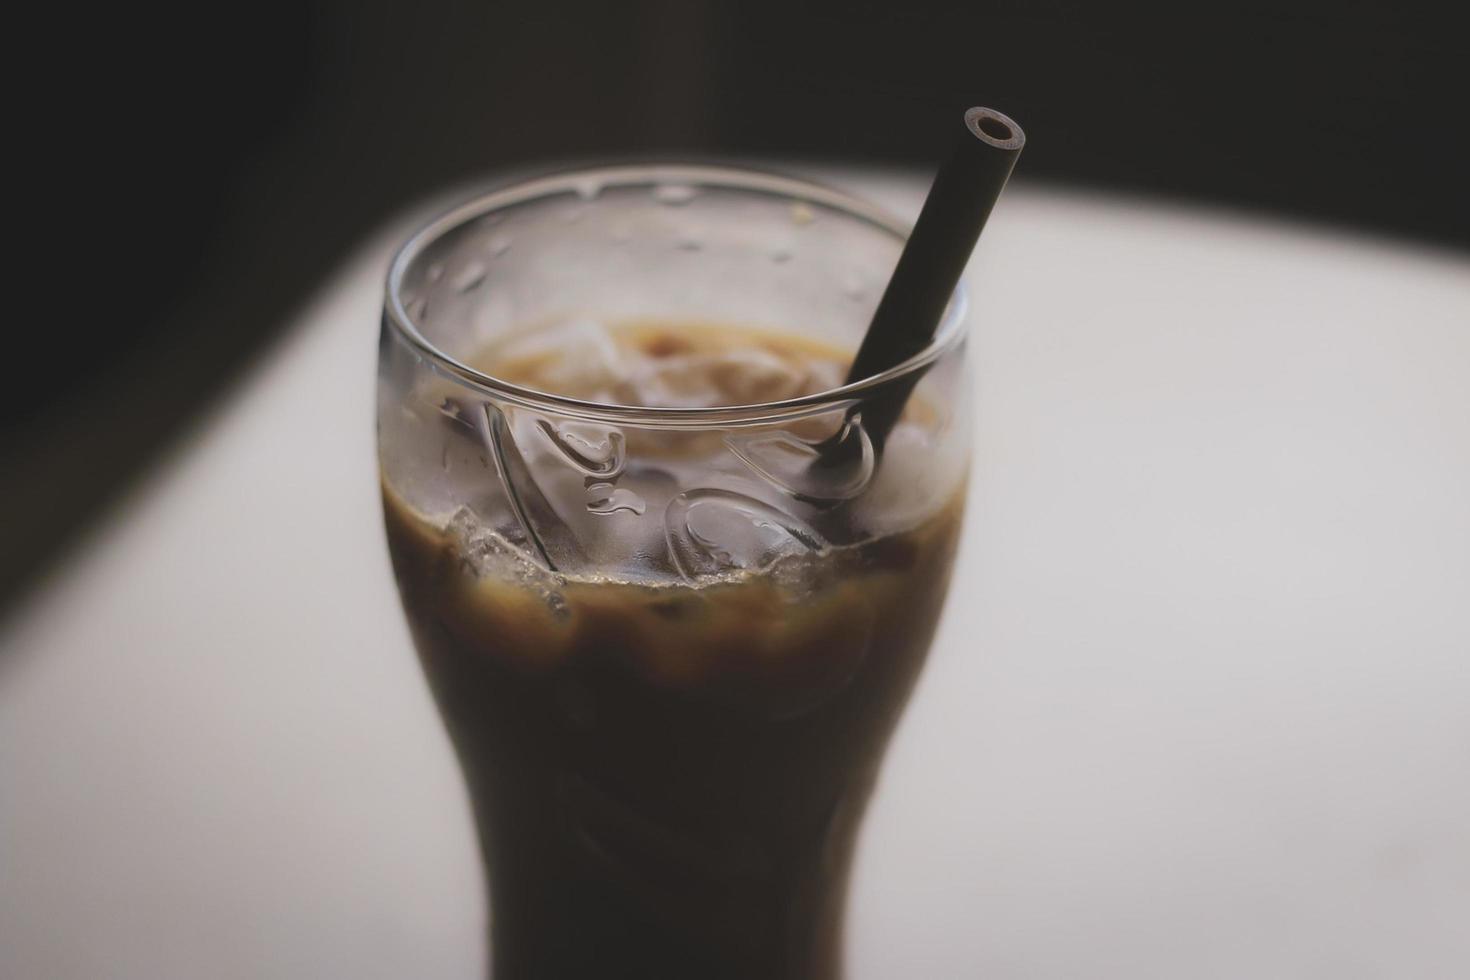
573, 214
469, 277
802, 213
781, 256
674, 194
417, 307
604, 499
436, 272
689, 244
498, 245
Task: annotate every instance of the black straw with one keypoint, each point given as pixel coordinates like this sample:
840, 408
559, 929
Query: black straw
959, 202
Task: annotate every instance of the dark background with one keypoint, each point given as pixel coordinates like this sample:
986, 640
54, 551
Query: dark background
216, 161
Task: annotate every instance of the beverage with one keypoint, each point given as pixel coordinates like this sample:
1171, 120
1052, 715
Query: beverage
668, 774
670, 588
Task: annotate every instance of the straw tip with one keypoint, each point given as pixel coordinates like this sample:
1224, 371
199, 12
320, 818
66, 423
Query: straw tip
994, 128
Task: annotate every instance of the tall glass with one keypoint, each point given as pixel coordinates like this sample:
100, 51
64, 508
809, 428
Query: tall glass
669, 643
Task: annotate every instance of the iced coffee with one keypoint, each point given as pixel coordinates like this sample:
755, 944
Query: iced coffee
670, 654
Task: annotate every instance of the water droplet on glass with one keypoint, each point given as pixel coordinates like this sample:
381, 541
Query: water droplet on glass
802, 213
674, 194
854, 287
436, 272
498, 246
417, 307
689, 244
604, 499
781, 256
622, 234
573, 214
469, 277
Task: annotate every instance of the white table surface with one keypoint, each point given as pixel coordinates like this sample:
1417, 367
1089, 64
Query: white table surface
1200, 706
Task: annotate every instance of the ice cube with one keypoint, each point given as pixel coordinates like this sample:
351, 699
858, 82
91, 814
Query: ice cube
739, 377
910, 482
485, 552
578, 358
716, 531
748, 377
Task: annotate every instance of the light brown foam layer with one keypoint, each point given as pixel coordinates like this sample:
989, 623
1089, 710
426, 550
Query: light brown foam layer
651, 363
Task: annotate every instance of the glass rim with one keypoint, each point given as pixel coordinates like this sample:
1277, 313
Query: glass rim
947, 336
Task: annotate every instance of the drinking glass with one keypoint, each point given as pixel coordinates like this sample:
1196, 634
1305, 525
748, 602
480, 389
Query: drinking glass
669, 644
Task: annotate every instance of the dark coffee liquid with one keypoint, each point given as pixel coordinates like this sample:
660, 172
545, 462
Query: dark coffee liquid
667, 778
